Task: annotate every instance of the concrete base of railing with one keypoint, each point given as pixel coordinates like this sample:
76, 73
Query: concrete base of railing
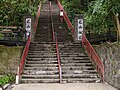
17, 80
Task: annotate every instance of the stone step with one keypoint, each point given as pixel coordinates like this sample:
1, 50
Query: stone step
36, 72
65, 62
42, 49
47, 53
40, 45
75, 58
43, 43
38, 56
77, 68
82, 75
55, 76
41, 52
73, 55
42, 59
78, 71
81, 80
77, 64
43, 55
53, 53
41, 65
39, 80
73, 80
42, 68
43, 62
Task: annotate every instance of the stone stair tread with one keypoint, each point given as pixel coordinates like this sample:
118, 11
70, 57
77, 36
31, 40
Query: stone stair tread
77, 67
83, 80
77, 64
40, 72
78, 71
41, 68
40, 80
40, 65
41, 52
43, 61
80, 75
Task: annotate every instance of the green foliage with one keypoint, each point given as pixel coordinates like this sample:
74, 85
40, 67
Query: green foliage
100, 16
12, 11
7, 79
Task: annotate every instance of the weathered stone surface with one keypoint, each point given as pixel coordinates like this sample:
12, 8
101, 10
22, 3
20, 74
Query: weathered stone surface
110, 56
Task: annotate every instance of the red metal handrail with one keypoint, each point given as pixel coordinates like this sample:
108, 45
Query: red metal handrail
37, 17
53, 31
58, 57
93, 56
24, 56
69, 24
56, 42
91, 52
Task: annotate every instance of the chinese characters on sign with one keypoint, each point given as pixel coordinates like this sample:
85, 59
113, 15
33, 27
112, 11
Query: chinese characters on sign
28, 24
80, 28
28, 27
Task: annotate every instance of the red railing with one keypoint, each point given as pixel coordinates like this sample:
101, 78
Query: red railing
27, 45
24, 56
37, 17
53, 31
58, 57
91, 52
93, 56
57, 48
69, 24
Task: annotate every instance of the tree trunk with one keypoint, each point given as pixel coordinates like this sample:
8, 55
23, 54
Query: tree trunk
118, 27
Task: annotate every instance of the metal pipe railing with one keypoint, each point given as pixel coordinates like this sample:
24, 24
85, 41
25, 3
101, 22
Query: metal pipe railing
56, 42
93, 56
69, 24
24, 56
37, 17
58, 57
25, 52
91, 52
51, 18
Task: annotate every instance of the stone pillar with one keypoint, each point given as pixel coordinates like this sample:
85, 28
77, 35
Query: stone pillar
79, 27
28, 25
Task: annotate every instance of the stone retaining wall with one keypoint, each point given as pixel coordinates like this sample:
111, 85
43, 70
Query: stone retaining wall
110, 56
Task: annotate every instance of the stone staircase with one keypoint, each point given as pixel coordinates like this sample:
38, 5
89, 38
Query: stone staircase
61, 29
76, 65
44, 32
41, 65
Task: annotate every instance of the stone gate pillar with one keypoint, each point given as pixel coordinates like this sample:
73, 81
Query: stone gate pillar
79, 27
